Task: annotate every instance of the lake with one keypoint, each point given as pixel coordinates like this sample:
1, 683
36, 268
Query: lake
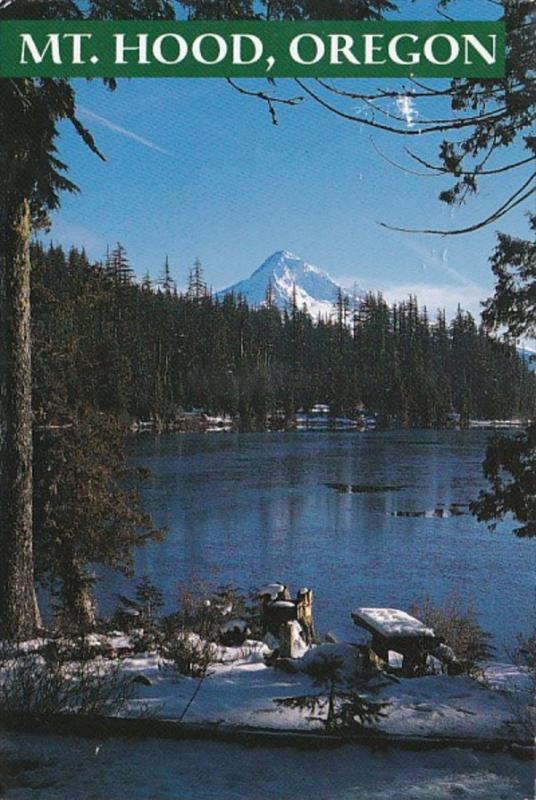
363, 519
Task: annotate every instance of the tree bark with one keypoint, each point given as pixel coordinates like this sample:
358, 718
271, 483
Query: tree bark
77, 602
19, 613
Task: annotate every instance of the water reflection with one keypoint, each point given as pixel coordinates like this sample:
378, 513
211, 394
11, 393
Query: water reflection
251, 508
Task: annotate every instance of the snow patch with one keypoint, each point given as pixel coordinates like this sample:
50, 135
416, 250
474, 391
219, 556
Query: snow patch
391, 622
292, 278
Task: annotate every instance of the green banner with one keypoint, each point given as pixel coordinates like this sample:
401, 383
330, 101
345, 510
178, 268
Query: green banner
251, 49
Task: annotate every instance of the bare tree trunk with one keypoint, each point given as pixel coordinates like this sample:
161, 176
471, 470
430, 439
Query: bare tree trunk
19, 613
76, 597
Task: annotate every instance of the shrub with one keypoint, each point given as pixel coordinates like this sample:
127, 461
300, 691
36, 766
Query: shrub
189, 637
523, 703
456, 622
187, 654
48, 683
143, 610
205, 611
524, 655
149, 600
338, 705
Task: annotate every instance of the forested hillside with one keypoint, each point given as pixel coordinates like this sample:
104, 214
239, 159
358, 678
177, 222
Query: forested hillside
103, 341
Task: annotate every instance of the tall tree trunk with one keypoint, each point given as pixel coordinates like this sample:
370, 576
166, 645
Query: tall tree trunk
19, 613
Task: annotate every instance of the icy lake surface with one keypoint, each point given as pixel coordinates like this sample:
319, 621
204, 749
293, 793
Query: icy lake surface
365, 519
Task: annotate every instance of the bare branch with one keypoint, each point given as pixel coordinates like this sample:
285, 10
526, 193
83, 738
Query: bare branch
426, 91
430, 127
445, 15
270, 99
444, 171
380, 94
370, 98
513, 201
401, 166
429, 92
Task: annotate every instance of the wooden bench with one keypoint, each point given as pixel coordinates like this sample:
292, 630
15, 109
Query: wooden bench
393, 629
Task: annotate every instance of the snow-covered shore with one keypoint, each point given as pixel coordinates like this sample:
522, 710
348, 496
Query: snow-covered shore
244, 691
241, 690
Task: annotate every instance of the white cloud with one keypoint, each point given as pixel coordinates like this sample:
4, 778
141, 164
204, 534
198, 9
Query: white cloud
446, 296
446, 287
432, 295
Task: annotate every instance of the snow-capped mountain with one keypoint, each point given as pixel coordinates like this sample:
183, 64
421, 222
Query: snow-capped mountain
288, 274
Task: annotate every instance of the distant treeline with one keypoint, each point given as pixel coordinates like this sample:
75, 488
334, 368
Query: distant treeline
105, 342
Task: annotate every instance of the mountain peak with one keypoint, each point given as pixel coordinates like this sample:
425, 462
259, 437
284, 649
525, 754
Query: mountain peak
289, 276
278, 259
286, 254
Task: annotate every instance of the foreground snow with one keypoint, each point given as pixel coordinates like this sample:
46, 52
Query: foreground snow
244, 691
241, 690
70, 768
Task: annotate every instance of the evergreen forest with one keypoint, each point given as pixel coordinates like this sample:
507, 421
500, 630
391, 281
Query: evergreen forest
102, 340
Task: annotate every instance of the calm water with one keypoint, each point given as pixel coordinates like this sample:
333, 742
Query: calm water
252, 508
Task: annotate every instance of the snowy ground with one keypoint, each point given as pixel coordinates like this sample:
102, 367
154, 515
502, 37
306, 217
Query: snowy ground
241, 690
83, 769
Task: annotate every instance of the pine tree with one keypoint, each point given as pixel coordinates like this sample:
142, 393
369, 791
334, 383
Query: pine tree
197, 287
118, 267
510, 465
166, 280
269, 296
147, 282
84, 513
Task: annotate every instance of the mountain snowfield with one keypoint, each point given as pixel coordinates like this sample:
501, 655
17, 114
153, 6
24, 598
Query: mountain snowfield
289, 273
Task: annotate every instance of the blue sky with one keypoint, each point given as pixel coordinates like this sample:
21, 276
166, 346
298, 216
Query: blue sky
195, 169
